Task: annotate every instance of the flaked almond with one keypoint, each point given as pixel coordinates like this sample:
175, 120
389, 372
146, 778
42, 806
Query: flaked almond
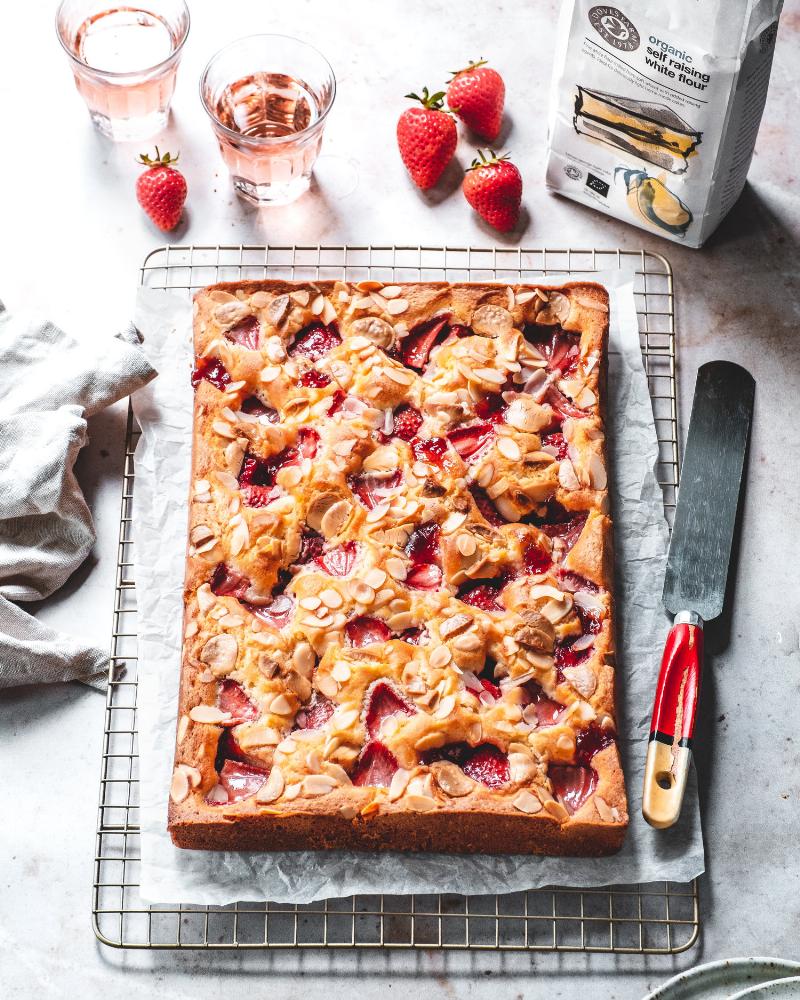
277, 309
582, 678
420, 803
335, 517
597, 473
375, 577
337, 772
400, 621
373, 330
240, 537
485, 475
310, 603
327, 686
521, 767
397, 568
318, 304
556, 810
509, 449
304, 659
269, 374
527, 802
603, 809
522, 297
377, 513
566, 475
446, 706
220, 654
466, 545
491, 320
292, 791
179, 786
453, 521
341, 672
361, 592
231, 621
451, 779
440, 657
281, 705
331, 598
328, 314
398, 783
396, 306
209, 715
224, 429
273, 787
231, 312
302, 297
259, 736
192, 773
318, 784
206, 598
467, 643
455, 625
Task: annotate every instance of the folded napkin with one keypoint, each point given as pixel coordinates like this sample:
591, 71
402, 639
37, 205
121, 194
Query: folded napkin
49, 384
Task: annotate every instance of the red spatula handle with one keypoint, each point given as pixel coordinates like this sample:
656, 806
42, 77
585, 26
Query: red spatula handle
672, 726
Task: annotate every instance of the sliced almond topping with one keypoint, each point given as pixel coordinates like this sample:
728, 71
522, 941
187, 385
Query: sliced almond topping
377, 513
318, 304
343, 720
231, 621
527, 802
453, 521
335, 518
522, 297
467, 643
566, 475
318, 784
604, 809
391, 291
490, 375
485, 475
452, 626
328, 312
327, 686
398, 783
273, 787
341, 672
209, 714
292, 791
497, 488
343, 448
220, 653
401, 621
446, 706
597, 473
289, 477
361, 592
521, 767
466, 545
240, 537
269, 374
301, 297
396, 568
430, 741
396, 306
310, 603
399, 376
509, 448
582, 678
303, 659
224, 429
287, 746
337, 772
556, 810
259, 736
281, 705
440, 657
375, 578
179, 786
420, 803
451, 779
205, 598
331, 598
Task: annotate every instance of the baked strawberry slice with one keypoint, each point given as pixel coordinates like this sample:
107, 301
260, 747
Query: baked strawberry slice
375, 766
557, 442
312, 379
468, 441
364, 630
482, 594
257, 408
424, 577
536, 558
338, 561
232, 698
369, 488
226, 582
240, 781
485, 506
574, 581
312, 545
277, 614
485, 763
422, 546
547, 711
213, 371
315, 341
561, 405
414, 636
245, 333
415, 348
336, 402
307, 442
486, 677
492, 408
407, 421
561, 523
591, 741
567, 656
383, 701
572, 784
458, 330
560, 349
430, 450
316, 713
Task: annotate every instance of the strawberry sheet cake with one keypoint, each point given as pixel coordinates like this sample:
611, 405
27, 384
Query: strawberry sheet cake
398, 630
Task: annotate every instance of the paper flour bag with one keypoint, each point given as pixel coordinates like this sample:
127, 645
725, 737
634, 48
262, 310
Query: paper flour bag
655, 108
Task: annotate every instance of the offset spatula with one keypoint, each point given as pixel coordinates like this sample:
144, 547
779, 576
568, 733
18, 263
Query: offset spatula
697, 571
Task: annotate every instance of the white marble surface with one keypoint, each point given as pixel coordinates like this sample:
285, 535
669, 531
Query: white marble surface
72, 240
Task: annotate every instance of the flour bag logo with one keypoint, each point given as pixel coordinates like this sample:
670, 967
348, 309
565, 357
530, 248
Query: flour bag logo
615, 28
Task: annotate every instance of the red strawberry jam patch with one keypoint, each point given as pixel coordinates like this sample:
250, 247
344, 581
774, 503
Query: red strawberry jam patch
245, 333
226, 582
485, 763
414, 636
375, 766
255, 407
213, 371
422, 549
384, 701
312, 545
492, 408
312, 379
364, 630
276, 614
336, 402
482, 594
406, 421
557, 442
535, 558
415, 348
572, 785
316, 713
485, 506
430, 450
591, 741
468, 441
315, 341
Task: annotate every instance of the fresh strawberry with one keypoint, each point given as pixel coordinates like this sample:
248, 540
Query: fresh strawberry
316, 713
415, 347
368, 488
430, 450
363, 631
213, 371
572, 784
315, 341
161, 190
407, 421
476, 94
245, 333
427, 138
232, 698
383, 701
338, 561
375, 766
240, 781
494, 189
482, 594
468, 441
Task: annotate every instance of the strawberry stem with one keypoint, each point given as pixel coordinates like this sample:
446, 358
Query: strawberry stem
434, 102
158, 161
486, 161
467, 69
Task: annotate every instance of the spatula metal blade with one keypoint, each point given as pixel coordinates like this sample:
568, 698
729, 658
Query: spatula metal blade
711, 478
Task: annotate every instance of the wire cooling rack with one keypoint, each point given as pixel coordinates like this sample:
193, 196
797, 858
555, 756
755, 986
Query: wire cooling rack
658, 918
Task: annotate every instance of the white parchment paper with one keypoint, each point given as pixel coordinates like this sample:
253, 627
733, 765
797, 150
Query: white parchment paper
169, 875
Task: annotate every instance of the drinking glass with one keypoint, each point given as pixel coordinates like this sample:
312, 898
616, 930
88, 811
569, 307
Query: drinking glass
268, 98
124, 60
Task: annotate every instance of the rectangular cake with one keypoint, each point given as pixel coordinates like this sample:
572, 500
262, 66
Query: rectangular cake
398, 629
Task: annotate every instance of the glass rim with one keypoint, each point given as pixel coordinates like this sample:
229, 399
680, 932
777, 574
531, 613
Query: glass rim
131, 72
274, 140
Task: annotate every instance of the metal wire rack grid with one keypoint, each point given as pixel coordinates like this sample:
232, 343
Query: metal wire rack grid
653, 919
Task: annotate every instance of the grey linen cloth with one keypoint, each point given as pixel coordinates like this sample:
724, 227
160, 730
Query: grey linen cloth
49, 384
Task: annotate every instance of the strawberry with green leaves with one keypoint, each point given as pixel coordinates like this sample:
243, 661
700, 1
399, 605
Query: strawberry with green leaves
493, 186
477, 94
427, 138
161, 189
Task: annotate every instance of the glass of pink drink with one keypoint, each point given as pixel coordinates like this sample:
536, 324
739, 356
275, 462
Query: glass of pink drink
124, 60
268, 98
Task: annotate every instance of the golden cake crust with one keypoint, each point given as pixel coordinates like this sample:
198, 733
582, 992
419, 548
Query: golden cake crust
399, 625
